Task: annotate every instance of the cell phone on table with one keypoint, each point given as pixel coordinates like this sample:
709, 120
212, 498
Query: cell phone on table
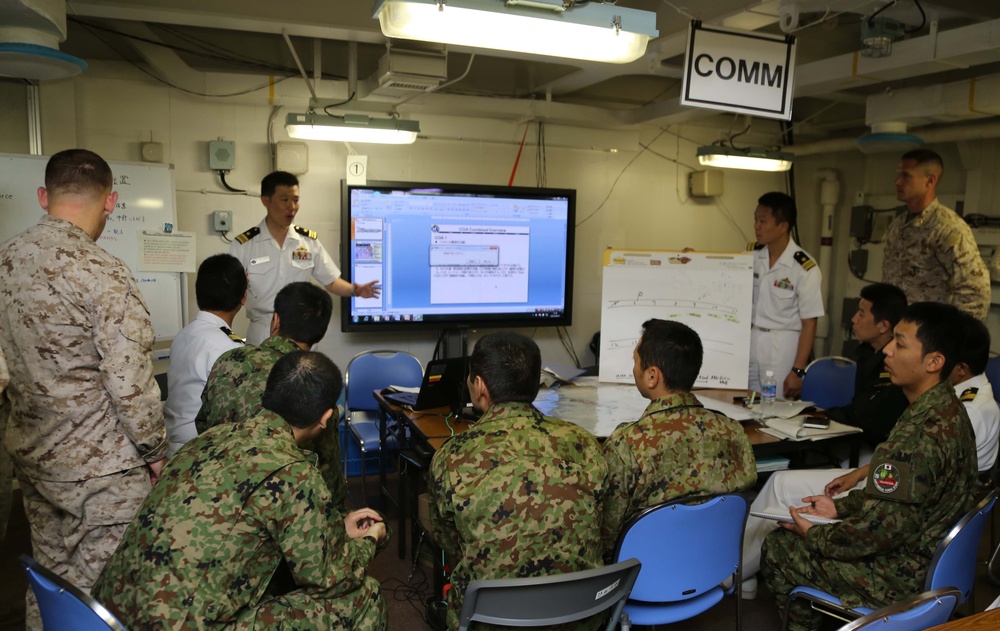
815, 422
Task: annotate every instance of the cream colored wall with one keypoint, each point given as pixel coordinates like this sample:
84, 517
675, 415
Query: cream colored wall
112, 110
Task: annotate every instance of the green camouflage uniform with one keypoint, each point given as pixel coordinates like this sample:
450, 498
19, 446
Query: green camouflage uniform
516, 495
228, 508
677, 448
933, 256
922, 481
232, 395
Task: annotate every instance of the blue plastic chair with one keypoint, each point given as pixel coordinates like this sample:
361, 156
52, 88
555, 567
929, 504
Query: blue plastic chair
548, 600
688, 550
63, 606
917, 613
366, 372
953, 565
993, 374
829, 382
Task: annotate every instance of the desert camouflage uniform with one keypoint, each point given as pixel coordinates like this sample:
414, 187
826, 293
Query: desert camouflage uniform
932, 256
517, 495
6, 471
880, 552
232, 395
676, 448
85, 414
229, 507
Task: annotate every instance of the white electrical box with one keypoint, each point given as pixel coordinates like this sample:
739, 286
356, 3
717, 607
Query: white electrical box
222, 220
221, 155
707, 183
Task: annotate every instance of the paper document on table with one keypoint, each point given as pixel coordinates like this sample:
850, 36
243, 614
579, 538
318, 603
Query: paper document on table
791, 429
784, 409
733, 411
782, 515
410, 389
558, 373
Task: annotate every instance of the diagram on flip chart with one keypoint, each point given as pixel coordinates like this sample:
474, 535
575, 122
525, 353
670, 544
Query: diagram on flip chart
710, 292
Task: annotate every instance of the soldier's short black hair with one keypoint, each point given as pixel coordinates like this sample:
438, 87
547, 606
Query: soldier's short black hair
937, 323
888, 302
301, 387
925, 158
273, 180
675, 349
510, 365
304, 312
782, 207
77, 172
221, 283
975, 350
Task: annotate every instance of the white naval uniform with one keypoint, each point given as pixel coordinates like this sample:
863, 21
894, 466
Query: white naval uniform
192, 354
787, 488
270, 268
783, 296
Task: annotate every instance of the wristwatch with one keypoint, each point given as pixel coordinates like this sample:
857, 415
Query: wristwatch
799, 372
354, 289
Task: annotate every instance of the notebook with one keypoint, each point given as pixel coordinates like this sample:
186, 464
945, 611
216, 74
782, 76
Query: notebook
443, 386
781, 515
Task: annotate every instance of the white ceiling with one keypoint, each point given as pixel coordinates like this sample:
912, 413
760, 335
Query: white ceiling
181, 40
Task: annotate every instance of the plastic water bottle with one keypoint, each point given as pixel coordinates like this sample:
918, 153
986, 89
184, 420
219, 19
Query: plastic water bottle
768, 393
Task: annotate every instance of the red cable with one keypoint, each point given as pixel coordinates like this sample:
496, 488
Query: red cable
513, 171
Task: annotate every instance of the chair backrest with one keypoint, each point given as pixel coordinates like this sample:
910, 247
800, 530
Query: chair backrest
954, 561
63, 606
548, 600
829, 382
686, 548
993, 374
916, 613
374, 370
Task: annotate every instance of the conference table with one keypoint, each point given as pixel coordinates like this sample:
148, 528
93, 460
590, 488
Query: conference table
596, 407
985, 621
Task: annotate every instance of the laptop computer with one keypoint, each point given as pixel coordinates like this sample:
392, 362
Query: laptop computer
443, 386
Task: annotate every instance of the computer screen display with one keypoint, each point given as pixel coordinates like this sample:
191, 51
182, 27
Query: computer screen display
457, 256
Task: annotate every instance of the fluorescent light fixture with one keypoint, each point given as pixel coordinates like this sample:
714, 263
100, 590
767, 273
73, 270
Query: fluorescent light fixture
593, 31
752, 159
352, 128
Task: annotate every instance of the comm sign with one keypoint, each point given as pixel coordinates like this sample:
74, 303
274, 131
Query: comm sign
738, 71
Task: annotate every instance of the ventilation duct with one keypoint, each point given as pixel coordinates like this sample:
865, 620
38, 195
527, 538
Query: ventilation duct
30, 33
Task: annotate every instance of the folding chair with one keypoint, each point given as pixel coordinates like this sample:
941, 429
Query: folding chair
917, 613
829, 382
549, 600
953, 565
367, 372
65, 607
688, 549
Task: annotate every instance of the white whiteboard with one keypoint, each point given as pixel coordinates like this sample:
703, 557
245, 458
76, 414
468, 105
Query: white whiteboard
145, 201
710, 292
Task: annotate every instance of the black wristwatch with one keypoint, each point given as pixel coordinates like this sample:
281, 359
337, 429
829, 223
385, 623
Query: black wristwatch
799, 372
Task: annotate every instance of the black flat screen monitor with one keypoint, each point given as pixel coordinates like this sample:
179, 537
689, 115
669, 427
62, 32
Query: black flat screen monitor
451, 256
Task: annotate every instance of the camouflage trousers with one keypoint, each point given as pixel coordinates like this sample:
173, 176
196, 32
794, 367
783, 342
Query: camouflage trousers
364, 609
787, 562
76, 526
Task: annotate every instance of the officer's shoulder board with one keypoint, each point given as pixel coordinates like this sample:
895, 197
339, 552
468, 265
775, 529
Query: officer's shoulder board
753, 245
306, 232
249, 234
232, 336
968, 395
803, 259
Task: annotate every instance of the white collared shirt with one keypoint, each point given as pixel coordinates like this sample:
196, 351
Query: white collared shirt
192, 354
985, 416
269, 268
787, 293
